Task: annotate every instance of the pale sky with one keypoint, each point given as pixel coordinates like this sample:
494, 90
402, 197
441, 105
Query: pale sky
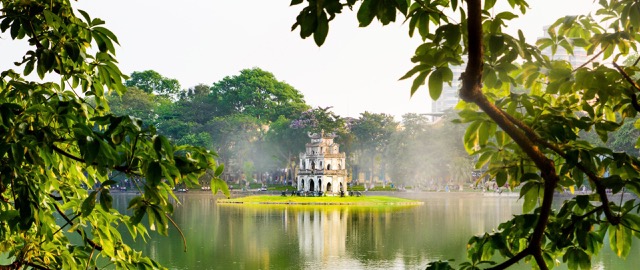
198, 41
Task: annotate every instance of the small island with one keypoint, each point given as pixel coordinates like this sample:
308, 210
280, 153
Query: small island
322, 180
326, 200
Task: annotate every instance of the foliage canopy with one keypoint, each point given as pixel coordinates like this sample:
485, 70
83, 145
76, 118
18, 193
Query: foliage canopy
59, 153
529, 138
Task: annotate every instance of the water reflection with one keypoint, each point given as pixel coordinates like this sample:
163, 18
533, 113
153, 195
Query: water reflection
331, 237
322, 233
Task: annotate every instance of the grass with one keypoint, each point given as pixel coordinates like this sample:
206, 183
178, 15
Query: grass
365, 200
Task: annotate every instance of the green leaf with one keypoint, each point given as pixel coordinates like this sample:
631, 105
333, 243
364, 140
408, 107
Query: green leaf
531, 197
154, 173
634, 15
483, 159
322, 29
435, 84
496, 43
91, 151
470, 138
107, 33
28, 68
414, 70
219, 170
219, 184
501, 178
106, 200
138, 214
157, 145
8, 215
85, 15
366, 13
418, 81
620, 240
88, 204
108, 183
488, 4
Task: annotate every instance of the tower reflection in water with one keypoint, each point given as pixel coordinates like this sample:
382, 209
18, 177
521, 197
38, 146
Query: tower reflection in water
322, 233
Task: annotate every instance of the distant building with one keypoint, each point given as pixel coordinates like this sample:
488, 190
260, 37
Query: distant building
322, 166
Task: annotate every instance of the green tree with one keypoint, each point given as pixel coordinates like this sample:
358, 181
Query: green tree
372, 133
58, 152
257, 93
285, 143
407, 162
234, 137
152, 82
528, 138
134, 102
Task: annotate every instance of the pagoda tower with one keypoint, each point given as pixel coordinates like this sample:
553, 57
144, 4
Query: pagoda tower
322, 166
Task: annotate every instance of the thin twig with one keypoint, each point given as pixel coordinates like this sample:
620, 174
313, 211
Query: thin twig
439, 12
591, 60
184, 239
626, 76
89, 260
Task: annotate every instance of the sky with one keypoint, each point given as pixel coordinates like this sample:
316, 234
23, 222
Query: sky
198, 41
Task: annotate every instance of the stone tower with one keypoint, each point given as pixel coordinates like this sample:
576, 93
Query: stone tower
322, 166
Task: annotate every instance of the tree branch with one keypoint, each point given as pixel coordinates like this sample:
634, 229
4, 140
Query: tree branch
69, 221
632, 95
471, 91
513, 260
124, 169
596, 180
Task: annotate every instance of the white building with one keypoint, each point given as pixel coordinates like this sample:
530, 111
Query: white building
322, 166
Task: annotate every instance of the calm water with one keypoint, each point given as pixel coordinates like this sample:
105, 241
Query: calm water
305, 237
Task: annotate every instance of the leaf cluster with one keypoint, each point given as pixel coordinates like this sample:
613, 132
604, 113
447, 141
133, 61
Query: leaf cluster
59, 154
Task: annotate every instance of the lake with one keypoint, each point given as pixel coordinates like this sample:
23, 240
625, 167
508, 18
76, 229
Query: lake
334, 237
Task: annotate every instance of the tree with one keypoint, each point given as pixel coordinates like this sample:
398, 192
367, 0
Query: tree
134, 102
59, 152
285, 143
257, 93
234, 137
372, 134
152, 82
529, 139
407, 162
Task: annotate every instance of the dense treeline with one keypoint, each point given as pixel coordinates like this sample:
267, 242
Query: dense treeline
258, 125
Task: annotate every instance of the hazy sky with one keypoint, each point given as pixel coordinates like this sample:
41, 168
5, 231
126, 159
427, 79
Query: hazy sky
198, 41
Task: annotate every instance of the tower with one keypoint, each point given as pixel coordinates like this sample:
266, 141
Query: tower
322, 166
